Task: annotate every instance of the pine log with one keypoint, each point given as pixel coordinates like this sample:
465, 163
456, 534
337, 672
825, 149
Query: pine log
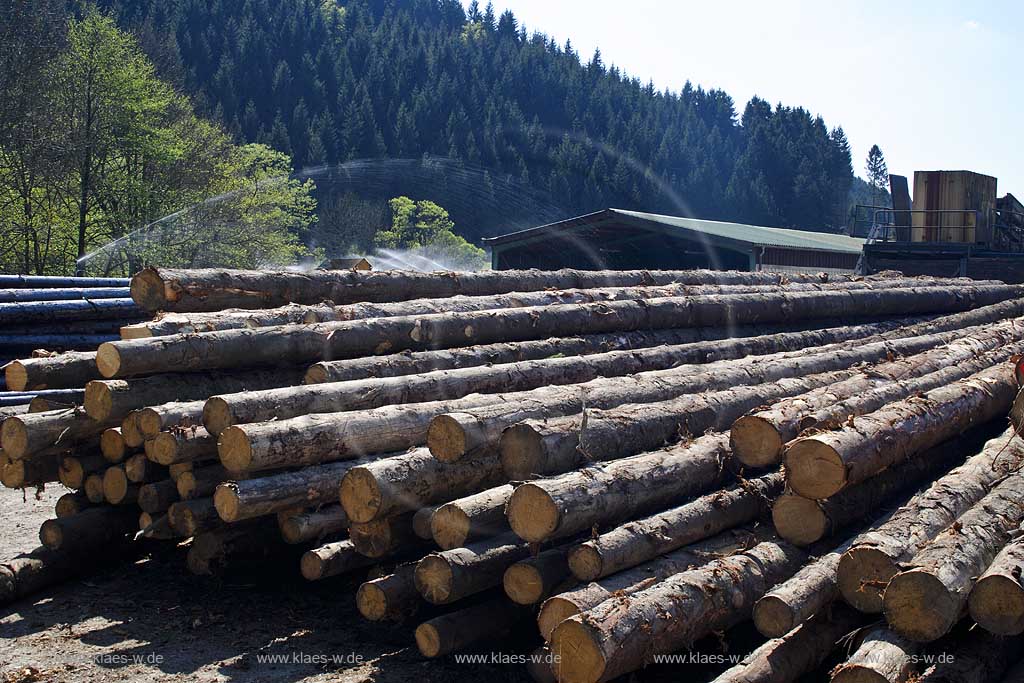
74, 470
157, 496
465, 627
610, 492
924, 600
382, 537
560, 607
996, 602
113, 399
883, 657
68, 370
324, 341
313, 525
393, 597
23, 313
803, 521
71, 503
820, 466
190, 444
88, 530
167, 289
529, 581
333, 559
758, 438
56, 399
22, 435
876, 555
162, 418
223, 411
642, 540
621, 634
471, 518
131, 432
93, 488
309, 487
798, 653
34, 471
200, 483
406, 482
226, 319
554, 445
451, 575
421, 522
191, 517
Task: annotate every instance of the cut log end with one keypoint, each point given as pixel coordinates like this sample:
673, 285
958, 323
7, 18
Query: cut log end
94, 488
16, 376
799, 520
234, 449
71, 473
163, 448
863, 574
553, 612
148, 423
14, 438
997, 604
523, 584
533, 513
217, 415
446, 438
311, 565
316, 374
108, 360
147, 290
449, 527
919, 607
360, 495
115, 485
585, 562
577, 658
98, 401
814, 469
521, 451
225, 500
112, 445
428, 640
755, 441
433, 579
51, 535
773, 617
372, 602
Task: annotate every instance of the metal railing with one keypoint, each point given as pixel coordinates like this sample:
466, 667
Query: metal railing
936, 226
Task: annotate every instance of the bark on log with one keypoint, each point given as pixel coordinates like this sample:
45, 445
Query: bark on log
758, 439
30, 295
562, 506
883, 657
642, 540
332, 559
550, 446
313, 525
465, 627
157, 496
619, 636
47, 281
226, 319
393, 597
382, 537
23, 435
59, 311
558, 608
113, 399
191, 517
34, 471
407, 482
471, 518
309, 487
74, 470
996, 602
327, 341
529, 581
163, 418
421, 522
876, 555
41, 404
926, 599
32, 572
167, 289
820, 466
795, 654
89, 530
191, 444
451, 575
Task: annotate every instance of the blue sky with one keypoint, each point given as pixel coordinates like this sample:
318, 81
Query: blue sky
937, 85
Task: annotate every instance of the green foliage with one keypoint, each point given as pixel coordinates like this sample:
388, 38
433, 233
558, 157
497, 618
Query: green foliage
877, 174
424, 229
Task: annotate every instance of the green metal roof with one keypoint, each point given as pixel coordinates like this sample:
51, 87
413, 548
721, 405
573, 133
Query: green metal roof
736, 232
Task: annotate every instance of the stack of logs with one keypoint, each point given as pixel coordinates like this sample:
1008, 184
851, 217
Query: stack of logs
626, 462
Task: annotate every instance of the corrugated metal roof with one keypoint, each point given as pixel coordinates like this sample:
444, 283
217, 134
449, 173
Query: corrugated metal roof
751, 234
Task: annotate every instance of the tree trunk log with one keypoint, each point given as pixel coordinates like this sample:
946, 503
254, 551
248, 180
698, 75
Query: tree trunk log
140, 469
201, 482
926, 599
22, 313
996, 602
74, 470
471, 518
29, 573
421, 522
619, 635
131, 432
382, 537
529, 581
313, 525
34, 471
234, 547
156, 497
883, 657
93, 488
192, 517
406, 482
31, 433
71, 503
465, 627
333, 559
820, 466
113, 446
163, 418
62, 294
451, 575
393, 597
643, 540
190, 444
89, 530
